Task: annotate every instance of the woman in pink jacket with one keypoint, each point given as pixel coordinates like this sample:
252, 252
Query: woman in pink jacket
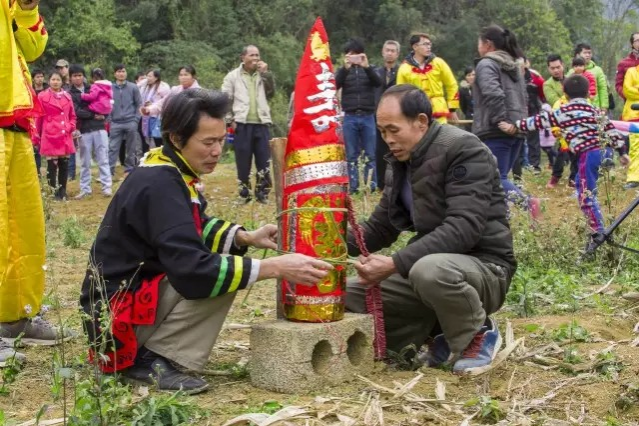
153, 90
55, 130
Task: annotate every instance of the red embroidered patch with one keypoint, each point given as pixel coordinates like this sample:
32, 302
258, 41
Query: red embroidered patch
428, 68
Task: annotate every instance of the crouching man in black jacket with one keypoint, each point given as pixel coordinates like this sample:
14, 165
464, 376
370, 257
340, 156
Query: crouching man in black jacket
456, 270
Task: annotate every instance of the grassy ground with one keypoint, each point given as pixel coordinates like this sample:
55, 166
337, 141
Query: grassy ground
576, 365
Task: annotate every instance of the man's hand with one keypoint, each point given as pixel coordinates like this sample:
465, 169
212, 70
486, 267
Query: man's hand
28, 4
374, 268
507, 128
296, 268
364, 63
233, 125
624, 160
347, 62
453, 117
144, 111
99, 117
264, 237
262, 67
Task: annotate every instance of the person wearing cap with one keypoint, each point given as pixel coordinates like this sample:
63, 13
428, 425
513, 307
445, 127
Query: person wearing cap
23, 38
62, 66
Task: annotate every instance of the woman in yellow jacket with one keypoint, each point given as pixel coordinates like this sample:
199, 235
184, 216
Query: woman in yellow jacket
631, 92
423, 69
22, 39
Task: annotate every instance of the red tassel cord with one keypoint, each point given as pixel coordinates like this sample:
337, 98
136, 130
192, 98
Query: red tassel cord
373, 292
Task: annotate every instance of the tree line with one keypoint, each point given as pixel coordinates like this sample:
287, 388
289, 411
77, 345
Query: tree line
210, 34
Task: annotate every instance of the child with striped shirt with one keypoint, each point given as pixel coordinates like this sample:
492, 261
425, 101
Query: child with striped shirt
580, 125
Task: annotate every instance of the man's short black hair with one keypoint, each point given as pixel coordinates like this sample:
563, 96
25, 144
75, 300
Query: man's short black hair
578, 61
576, 86
353, 45
181, 115
76, 69
552, 58
118, 67
37, 71
415, 38
412, 101
580, 47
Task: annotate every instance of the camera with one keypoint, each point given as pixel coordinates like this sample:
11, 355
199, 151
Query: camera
355, 59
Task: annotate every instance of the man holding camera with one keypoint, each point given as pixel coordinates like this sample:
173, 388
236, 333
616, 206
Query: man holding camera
357, 80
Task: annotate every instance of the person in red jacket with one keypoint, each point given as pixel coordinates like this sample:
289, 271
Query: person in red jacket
55, 131
579, 67
632, 60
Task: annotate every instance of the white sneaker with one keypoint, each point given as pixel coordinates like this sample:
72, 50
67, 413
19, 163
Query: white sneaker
82, 195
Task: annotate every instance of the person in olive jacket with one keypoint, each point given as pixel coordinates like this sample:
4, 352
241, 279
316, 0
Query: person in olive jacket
456, 270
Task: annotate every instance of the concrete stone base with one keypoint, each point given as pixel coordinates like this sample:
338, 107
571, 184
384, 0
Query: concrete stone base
293, 357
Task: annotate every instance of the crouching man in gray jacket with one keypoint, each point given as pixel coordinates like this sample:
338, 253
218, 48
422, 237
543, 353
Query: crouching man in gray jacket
444, 185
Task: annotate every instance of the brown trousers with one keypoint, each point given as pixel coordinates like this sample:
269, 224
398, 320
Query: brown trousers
185, 330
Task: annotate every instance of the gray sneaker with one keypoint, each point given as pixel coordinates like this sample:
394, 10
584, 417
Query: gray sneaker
37, 331
7, 353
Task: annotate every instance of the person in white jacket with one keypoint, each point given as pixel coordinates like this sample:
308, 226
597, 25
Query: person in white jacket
249, 87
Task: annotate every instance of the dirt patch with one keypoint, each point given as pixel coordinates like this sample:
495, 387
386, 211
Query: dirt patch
517, 381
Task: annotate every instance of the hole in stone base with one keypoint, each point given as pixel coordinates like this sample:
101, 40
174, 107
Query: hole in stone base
356, 348
322, 357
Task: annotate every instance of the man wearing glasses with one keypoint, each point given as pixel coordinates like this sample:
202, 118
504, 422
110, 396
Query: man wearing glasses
432, 74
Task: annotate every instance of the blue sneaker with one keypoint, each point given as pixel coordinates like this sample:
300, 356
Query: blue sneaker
438, 352
482, 349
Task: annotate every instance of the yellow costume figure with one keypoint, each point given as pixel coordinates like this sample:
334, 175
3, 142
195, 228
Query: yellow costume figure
22, 38
631, 92
436, 80
556, 131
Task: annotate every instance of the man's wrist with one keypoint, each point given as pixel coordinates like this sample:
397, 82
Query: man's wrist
242, 238
391, 266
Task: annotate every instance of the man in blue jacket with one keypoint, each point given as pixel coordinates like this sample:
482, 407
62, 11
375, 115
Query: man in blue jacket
124, 121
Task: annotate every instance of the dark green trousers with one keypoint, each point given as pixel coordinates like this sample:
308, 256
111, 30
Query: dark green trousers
449, 292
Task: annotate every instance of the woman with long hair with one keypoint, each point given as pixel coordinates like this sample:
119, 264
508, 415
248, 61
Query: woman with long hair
55, 133
499, 94
153, 90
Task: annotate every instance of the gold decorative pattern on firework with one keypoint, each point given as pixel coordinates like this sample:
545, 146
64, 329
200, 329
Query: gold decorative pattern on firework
318, 154
321, 51
313, 313
319, 229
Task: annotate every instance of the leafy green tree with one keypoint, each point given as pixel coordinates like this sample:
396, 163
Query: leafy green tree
91, 34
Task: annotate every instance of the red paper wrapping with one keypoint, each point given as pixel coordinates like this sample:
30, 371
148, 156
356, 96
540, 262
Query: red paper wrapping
314, 182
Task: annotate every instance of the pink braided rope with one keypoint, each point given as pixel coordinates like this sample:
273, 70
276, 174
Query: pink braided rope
373, 292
